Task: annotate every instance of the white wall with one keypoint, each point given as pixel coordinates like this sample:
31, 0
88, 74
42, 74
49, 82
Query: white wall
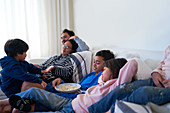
140, 24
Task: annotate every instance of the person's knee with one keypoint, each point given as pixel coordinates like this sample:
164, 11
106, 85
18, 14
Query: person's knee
145, 90
33, 89
142, 95
127, 87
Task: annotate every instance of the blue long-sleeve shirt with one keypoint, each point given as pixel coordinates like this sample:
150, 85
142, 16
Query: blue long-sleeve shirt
89, 80
14, 73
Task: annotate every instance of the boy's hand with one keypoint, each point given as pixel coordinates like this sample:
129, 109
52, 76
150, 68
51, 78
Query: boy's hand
48, 69
56, 82
43, 84
37, 65
43, 77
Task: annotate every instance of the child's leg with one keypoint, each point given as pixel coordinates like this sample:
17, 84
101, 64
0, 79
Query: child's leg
27, 85
50, 100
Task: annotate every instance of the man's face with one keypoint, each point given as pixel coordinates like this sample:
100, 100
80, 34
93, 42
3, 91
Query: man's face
64, 37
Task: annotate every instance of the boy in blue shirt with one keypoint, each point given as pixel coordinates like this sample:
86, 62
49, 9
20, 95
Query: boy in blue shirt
15, 70
90, 79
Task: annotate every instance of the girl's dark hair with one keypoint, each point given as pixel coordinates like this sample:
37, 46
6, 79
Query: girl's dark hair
115, 65
15, 46
74, 45
106, 54
70, 33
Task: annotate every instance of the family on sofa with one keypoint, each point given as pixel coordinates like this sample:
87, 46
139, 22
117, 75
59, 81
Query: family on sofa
96, 97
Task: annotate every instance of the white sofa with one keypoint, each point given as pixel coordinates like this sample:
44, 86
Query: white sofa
147, 61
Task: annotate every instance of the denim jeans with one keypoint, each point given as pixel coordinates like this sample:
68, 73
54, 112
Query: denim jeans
133, 92
46, 101
146, 94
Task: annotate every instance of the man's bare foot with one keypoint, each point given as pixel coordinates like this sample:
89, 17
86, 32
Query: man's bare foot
5, 107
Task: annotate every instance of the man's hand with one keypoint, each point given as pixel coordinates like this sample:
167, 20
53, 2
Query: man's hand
48, 69
166, 83
157, 78
56, 82
72, 37
43, 84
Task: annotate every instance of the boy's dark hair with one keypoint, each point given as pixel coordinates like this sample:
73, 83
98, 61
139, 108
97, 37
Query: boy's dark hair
74, 45
70, 33
115, 65
15, 46
106, 54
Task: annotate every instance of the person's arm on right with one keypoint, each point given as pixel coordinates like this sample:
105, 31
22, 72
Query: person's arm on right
157, 77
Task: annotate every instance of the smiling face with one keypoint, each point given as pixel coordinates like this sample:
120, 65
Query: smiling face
98, 64
64, 37
106, 75
67, 48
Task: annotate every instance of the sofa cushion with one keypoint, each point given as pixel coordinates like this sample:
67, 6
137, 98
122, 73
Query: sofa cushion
82, 62
144, 71
127, 107
153, 64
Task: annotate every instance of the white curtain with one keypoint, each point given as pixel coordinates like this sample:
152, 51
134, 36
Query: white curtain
38, 22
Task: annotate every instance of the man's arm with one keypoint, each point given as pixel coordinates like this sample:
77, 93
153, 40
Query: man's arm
82, 46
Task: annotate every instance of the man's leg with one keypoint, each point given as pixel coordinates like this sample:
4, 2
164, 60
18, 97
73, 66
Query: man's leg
120, 92
28, 85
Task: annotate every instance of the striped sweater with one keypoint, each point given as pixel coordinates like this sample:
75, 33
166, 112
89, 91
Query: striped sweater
63, 68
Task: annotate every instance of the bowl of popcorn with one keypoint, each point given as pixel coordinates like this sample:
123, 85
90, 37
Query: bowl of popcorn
68, 87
